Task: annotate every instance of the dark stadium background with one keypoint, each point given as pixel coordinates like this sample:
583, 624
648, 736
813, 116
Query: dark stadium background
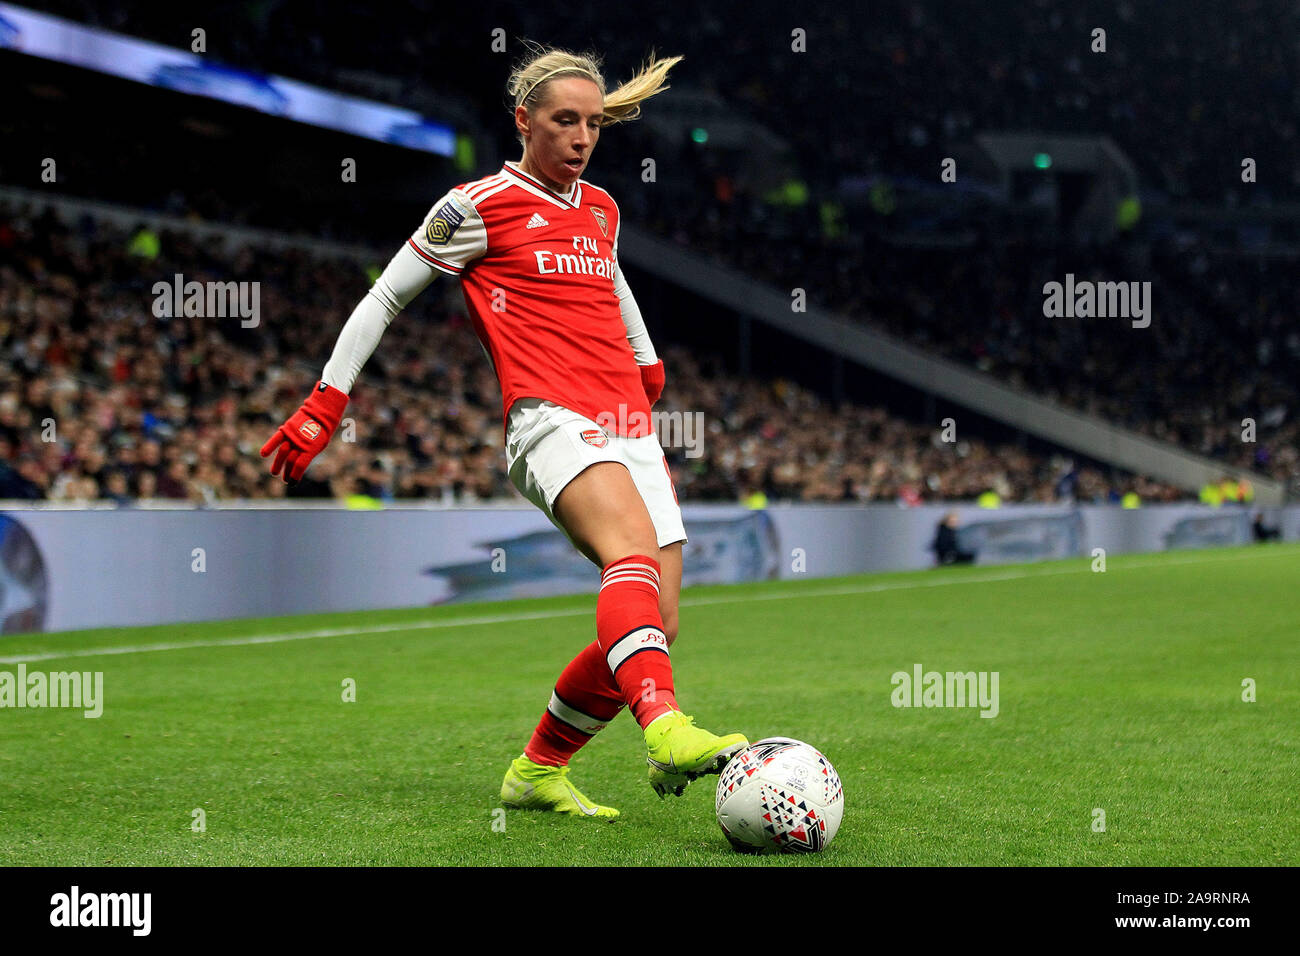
885, 92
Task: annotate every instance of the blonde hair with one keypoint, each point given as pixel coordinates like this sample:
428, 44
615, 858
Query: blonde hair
529, 80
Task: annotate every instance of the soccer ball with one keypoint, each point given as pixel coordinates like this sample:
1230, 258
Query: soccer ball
779, 796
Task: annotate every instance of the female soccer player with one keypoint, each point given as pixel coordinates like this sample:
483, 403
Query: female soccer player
536, 250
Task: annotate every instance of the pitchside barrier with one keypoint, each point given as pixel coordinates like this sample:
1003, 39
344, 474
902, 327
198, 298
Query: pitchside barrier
63, 568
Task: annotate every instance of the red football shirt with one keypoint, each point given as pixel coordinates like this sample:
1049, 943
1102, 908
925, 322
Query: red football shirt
537, 269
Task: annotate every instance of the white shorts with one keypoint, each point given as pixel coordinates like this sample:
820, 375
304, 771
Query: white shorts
545, 450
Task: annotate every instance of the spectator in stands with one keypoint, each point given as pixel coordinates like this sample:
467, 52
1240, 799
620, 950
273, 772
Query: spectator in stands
117, 489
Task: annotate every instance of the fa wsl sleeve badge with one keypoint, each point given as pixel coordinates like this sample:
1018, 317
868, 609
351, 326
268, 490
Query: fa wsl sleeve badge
443, 223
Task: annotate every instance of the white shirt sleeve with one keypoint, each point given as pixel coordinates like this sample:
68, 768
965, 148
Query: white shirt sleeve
406, 276
637, 335
452, 235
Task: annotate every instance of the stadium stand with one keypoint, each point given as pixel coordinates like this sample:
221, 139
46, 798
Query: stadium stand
837, 216
176, 408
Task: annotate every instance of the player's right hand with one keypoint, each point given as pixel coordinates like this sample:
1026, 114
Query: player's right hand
306, 433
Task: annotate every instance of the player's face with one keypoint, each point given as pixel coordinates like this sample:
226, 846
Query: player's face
560, 134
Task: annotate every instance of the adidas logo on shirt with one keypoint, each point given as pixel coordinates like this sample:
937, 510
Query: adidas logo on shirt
536, 222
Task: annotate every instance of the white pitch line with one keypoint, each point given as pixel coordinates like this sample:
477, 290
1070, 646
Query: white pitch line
843, 591
294, 636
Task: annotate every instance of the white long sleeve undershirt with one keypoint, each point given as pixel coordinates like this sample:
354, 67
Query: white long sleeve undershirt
405, 277
637, 335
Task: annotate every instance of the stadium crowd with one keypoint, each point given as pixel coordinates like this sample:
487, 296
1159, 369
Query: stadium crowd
922, 79
104, 400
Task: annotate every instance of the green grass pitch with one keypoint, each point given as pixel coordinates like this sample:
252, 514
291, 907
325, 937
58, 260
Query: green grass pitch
1120, 691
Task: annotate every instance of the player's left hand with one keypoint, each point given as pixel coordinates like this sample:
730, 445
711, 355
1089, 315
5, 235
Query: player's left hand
652, 380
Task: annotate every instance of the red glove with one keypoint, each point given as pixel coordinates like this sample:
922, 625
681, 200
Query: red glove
652, 380
306, 433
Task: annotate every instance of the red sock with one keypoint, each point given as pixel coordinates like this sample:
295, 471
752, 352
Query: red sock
631, 633
585, 699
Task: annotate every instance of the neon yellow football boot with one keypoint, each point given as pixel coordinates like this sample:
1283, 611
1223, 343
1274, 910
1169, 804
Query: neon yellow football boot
679, 752
535, 786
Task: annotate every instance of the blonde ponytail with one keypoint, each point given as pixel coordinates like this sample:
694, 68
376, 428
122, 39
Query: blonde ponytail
528, 81
624, 104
